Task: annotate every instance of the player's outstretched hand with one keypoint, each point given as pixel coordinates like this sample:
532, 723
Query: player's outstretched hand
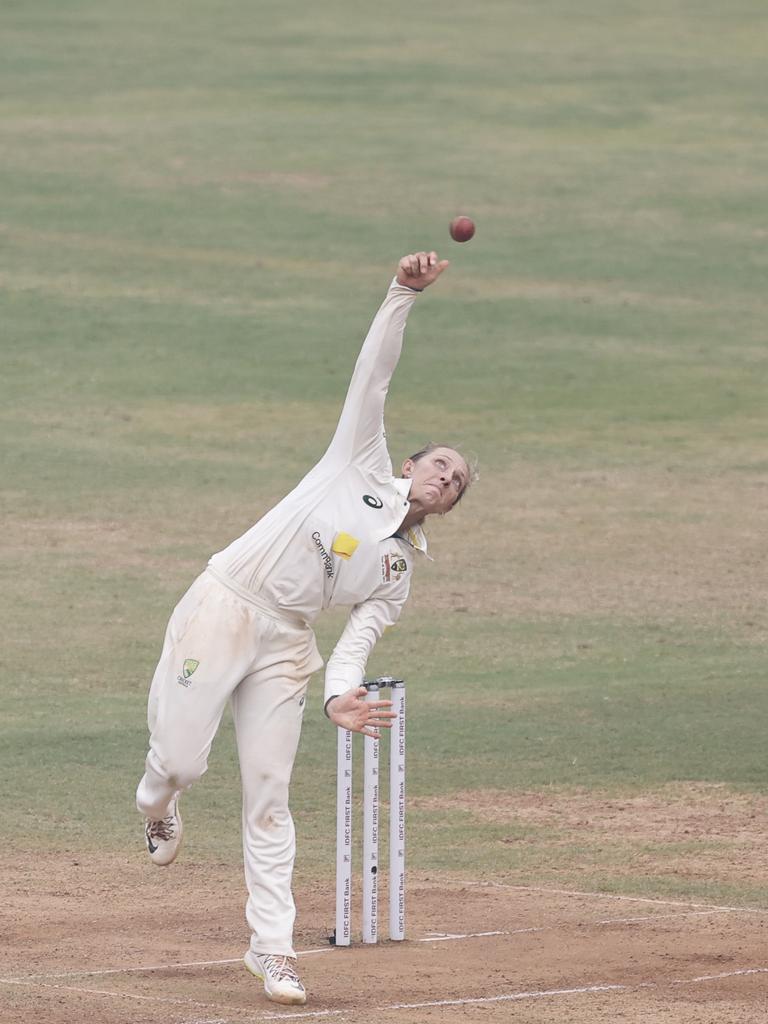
420, 269
351, 710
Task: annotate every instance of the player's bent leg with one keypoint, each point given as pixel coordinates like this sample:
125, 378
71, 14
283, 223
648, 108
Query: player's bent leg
209, 647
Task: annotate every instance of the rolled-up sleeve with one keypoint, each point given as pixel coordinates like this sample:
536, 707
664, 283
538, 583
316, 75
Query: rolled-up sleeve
366, 623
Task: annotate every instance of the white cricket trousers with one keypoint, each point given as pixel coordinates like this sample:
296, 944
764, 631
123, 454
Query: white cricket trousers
221, 646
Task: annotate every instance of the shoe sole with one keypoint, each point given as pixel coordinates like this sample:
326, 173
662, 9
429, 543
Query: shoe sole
282, 1000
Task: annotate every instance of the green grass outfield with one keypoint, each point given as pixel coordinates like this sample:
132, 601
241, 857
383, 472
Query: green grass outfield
201, 208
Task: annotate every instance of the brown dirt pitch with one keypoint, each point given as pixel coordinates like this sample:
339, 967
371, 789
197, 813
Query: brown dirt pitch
117, 941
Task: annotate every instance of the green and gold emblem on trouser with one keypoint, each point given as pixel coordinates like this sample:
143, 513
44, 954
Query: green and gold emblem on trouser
189, 667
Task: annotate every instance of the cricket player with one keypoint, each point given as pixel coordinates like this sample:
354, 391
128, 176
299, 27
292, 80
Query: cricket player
348, 534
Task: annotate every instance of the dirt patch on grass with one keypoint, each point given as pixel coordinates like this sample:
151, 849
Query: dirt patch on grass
628, 541
704, 833
680, 810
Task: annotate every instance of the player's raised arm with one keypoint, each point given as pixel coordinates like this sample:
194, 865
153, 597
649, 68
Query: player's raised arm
360, 431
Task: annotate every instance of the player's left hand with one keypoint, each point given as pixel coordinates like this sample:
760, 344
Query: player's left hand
420, 269
351, 710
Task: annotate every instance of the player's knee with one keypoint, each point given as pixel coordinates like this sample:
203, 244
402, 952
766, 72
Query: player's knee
182, 772
266, 795
273, 786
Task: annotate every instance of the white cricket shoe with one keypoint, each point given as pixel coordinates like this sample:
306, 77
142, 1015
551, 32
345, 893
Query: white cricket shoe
281, 982
163, 835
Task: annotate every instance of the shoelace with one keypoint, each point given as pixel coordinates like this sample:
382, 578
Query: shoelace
161, 828
281, 968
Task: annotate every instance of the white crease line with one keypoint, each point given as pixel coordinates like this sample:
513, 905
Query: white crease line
434, 937
177, 1002
467, 1001
614, 896
206, 1020
275, 1016
155, 967
238, 1010
134, 970
727, 974
659, 917
123, 995
509, 997
235, 960
305, 1013
452, 937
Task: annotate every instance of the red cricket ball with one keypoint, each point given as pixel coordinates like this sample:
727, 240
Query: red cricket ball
462, 229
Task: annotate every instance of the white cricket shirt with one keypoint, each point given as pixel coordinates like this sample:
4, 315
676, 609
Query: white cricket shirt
332, 540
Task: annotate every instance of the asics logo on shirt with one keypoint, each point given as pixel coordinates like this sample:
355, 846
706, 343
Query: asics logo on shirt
373, 502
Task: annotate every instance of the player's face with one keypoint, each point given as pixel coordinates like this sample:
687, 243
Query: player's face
438, 480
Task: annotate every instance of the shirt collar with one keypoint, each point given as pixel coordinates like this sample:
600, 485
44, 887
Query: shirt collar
403, 485
414, 536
